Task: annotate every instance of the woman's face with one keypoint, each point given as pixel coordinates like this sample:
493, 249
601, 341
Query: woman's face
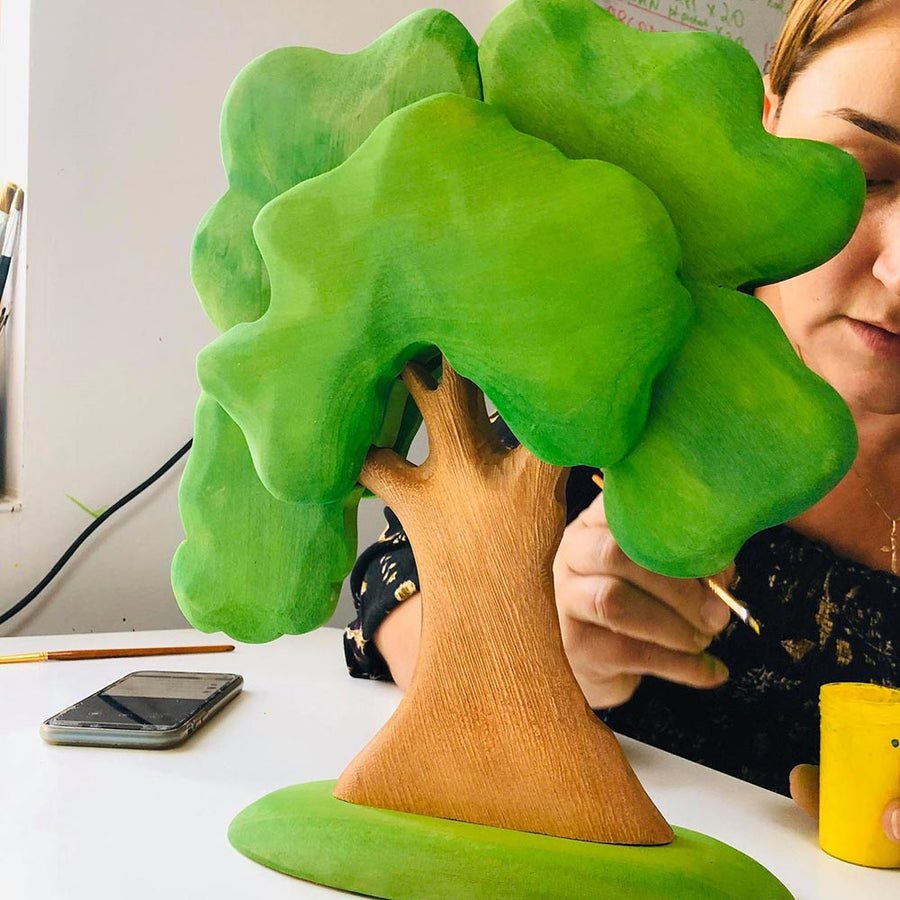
844, 317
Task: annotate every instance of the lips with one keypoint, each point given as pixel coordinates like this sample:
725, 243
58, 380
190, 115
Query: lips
881, 341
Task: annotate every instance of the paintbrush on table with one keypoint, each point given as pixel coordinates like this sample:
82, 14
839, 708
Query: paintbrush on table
48, 655
725, 596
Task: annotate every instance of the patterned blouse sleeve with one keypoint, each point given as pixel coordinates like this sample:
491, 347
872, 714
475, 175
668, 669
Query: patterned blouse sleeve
384, 576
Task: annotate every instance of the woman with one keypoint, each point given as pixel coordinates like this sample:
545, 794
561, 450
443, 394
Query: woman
826, 585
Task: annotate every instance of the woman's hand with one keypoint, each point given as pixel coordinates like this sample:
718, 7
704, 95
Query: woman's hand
398, 638
620, 621
805, 791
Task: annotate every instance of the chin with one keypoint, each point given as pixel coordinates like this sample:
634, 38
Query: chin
882, 400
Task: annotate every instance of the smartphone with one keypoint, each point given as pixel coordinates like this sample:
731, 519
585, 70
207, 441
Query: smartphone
152, 710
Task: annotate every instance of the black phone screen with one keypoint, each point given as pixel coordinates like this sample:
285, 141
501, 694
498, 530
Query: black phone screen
147, 700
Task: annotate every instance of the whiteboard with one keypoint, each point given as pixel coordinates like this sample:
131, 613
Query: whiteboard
754, 24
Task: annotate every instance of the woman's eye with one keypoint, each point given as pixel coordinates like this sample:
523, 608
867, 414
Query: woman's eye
873, 185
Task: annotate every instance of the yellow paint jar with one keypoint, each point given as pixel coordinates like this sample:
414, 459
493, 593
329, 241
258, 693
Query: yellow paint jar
860, 771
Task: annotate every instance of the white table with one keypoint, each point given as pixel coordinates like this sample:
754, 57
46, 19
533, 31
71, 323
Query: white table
101, 823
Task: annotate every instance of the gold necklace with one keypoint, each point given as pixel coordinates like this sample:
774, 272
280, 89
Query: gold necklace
892, 548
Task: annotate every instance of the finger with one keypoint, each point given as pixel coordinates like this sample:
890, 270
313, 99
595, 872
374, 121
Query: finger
726, 577
891, 821
586, 548
594, 517
593, 514
610, 693
804, 781
618, 654
622, 608
700, 670
606, 684
591, 550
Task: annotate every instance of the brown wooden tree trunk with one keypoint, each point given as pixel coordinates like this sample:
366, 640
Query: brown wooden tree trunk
494, 728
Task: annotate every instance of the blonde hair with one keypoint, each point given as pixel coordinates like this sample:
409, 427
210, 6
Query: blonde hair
809, 27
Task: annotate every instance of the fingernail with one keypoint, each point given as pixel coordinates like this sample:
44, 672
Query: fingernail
720, 670
714, 613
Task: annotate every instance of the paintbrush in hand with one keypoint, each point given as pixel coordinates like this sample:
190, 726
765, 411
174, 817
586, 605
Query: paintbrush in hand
725, 596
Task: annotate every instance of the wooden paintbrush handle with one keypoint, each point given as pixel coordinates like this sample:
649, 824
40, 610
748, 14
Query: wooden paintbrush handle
137, 651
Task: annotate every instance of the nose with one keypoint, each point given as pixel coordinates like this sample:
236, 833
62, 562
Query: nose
887, 263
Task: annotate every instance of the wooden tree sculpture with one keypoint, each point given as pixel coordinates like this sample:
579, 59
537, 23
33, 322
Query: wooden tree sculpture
571, 242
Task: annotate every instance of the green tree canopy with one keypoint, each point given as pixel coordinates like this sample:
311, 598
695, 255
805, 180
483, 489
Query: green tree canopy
550, 283
592, 297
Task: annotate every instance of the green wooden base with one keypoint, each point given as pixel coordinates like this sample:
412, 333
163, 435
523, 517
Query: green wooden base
304, 831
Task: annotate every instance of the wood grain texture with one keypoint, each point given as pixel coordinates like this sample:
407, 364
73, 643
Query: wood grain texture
494, 729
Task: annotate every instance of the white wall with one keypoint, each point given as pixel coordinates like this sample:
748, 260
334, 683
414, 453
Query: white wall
122, 162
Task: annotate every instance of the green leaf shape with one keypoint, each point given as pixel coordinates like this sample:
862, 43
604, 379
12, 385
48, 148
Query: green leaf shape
290, 115
741, 436
297, 112
682, 113
251, 565
549, 282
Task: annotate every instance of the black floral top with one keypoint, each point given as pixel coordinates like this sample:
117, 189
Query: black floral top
823, 619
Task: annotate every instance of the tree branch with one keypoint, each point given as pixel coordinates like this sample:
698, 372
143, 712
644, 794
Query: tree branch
456, 417
390, 477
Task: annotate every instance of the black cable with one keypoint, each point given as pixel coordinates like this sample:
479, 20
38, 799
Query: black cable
89, 531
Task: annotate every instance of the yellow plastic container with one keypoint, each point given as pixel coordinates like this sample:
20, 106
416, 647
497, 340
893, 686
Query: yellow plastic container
860, 771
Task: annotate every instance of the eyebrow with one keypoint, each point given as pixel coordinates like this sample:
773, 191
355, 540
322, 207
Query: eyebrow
873, 126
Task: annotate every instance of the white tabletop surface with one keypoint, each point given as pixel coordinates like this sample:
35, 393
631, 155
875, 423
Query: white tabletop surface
101, 823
